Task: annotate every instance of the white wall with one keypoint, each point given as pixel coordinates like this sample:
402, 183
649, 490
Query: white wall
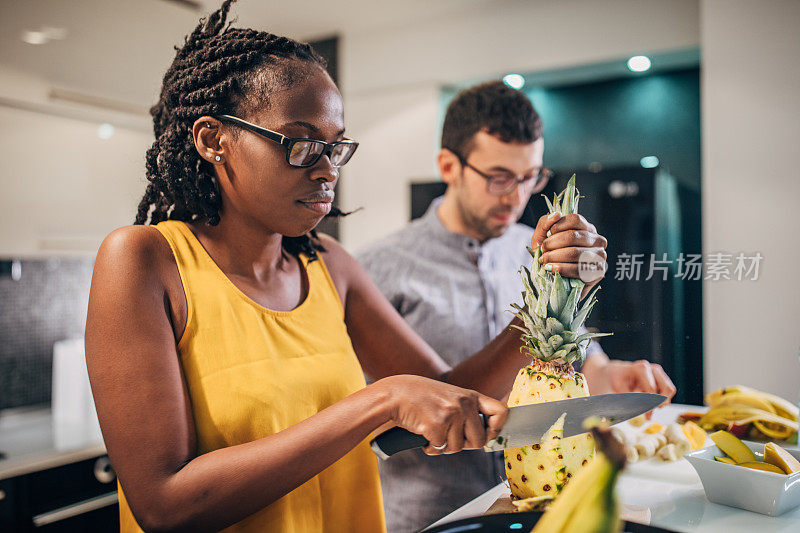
751, 190
64, 188
391, 81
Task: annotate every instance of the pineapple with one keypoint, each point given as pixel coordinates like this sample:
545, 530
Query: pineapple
552, 316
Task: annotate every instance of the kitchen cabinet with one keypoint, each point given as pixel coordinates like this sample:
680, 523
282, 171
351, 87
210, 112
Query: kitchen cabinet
75, 497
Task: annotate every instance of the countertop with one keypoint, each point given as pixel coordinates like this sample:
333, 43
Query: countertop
32, 439
667, 495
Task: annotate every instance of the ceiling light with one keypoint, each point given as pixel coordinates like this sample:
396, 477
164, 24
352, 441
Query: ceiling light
639, 63
649, 161
34, 37
44, 35
105, 131
515, 81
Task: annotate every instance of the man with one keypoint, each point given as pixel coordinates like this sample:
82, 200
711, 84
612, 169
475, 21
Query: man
453, 273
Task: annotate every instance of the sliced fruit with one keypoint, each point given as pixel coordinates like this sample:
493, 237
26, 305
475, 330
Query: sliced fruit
654, 428
738, 430
726, 460
690, 416
695, 434
775, 455
766, 467
733, 447
638, 421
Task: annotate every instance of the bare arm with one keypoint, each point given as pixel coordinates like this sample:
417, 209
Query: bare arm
146, 418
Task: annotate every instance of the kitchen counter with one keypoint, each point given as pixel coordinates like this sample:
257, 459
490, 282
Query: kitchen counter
667, 495
32, 439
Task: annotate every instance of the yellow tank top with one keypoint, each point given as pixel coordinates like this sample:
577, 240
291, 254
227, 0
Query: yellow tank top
252, 372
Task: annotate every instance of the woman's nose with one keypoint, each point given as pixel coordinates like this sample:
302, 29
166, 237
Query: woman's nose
324, 170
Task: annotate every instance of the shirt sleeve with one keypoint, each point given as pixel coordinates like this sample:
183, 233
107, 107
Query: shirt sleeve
378, 265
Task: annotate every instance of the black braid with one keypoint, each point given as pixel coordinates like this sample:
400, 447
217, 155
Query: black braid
217, 71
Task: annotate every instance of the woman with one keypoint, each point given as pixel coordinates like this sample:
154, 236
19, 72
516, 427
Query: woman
227, 343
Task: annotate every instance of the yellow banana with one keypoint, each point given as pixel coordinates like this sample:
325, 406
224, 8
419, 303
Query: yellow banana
782, 407
740, 398
587, 504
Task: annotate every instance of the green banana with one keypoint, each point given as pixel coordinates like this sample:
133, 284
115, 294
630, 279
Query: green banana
587, 504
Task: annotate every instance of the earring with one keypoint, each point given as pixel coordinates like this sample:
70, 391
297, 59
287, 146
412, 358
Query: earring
217, 158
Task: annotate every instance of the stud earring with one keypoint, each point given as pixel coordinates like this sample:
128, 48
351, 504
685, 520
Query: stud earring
217, 158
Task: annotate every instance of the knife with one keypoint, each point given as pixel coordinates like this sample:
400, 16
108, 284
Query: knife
527, 424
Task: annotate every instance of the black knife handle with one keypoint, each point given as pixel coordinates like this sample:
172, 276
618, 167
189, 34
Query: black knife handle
398, 439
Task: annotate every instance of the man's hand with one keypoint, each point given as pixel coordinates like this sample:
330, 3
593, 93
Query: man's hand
570, 236
605, 376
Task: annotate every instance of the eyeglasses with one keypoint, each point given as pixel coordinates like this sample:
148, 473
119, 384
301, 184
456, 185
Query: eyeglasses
502, 183
301, 153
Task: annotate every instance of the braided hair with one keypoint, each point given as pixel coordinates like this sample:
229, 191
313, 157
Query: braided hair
219, 70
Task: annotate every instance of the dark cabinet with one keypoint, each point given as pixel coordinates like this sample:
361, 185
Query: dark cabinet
73, 498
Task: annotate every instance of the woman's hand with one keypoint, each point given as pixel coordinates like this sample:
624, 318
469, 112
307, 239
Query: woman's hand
573, 248
444, 414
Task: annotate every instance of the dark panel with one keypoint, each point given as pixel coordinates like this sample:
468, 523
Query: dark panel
329, 49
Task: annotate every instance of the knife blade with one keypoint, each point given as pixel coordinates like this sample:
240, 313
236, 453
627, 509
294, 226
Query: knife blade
527, 424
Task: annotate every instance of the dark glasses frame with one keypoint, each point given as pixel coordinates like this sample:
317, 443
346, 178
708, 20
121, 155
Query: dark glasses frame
537, 181
289, 142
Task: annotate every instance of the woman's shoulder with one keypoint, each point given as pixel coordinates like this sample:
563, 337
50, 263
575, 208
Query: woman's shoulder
137, 254
340, 264
139, 244
336, 258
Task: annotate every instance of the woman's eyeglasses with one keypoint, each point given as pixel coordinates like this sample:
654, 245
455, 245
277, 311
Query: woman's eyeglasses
301, 153
502, 183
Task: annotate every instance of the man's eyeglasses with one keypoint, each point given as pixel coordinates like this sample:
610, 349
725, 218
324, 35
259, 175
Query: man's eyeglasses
502, 183
301, 153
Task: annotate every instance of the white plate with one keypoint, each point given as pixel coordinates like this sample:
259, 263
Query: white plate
736, 486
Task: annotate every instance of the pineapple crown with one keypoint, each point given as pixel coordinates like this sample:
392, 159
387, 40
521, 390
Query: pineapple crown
554, 310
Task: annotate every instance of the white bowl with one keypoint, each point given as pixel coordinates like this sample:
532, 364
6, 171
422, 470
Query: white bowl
736, 486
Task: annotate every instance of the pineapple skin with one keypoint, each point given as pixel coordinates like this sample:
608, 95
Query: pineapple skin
543, 469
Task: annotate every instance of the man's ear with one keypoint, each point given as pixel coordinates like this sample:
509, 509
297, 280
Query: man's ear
449, 166
206, 132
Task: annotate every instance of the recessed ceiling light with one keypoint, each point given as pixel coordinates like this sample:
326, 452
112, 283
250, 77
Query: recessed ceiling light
44, 35
649, 161
105, 131
34, 37
515, 81
639, 63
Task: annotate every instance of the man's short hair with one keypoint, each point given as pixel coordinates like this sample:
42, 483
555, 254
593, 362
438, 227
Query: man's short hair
492, 107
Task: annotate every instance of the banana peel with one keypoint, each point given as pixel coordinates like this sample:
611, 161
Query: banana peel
771, 415
588, 504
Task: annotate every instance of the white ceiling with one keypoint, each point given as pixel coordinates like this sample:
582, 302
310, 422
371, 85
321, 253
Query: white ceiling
119, 49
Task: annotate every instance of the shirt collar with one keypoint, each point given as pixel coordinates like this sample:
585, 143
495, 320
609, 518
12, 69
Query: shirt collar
437, 229
457, 241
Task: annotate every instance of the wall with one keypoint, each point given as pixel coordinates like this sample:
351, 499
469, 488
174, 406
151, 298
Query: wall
617, 122
391, 81
63, 187
750, 87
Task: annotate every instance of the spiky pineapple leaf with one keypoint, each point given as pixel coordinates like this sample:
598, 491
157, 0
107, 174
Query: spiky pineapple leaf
568, 311
558, 295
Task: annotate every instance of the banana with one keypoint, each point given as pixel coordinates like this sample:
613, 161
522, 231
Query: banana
771, 415
782, 407
587, 504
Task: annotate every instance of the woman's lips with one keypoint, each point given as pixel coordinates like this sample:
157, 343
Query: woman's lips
323, 207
